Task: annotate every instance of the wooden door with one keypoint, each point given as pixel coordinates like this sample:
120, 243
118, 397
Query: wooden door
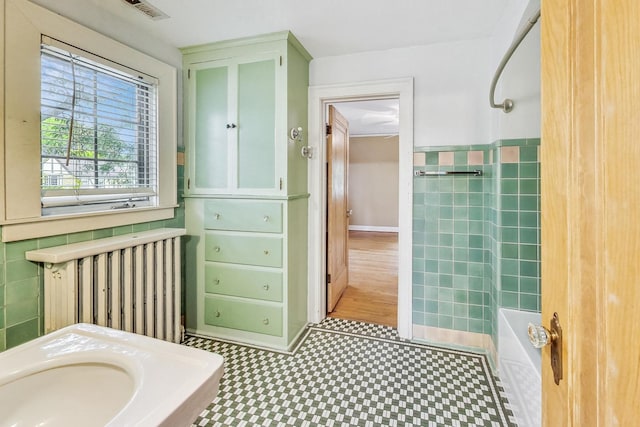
337, 219
590, 209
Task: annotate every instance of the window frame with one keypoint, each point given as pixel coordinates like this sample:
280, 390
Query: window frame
20, 209
97, 196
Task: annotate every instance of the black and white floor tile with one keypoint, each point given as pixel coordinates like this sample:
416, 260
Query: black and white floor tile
357, 374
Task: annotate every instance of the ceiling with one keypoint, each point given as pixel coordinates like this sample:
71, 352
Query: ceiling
325, 28
371, 118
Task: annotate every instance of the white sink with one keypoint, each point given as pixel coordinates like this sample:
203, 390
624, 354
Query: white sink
94, 376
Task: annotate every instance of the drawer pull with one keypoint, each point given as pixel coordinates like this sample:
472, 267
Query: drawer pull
266, 252
266, 218
266, 321
265, 287
216, 216
216, 249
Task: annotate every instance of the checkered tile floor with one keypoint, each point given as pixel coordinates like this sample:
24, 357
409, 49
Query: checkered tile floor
351, 373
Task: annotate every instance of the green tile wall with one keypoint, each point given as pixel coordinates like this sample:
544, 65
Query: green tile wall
449, 286
518, 226
476, 240
21, 281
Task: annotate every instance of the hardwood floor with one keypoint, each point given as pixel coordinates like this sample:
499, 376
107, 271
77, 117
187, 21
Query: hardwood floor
372, 292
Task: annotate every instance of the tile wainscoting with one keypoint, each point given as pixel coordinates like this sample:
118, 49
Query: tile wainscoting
476, 239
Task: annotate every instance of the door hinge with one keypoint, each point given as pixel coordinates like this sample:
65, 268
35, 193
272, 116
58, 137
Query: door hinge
328, 278
189, 73
281, 60
281, 183
328, 129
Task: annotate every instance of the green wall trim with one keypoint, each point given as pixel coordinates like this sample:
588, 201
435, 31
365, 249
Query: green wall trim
479, 147
516, 142
429, 149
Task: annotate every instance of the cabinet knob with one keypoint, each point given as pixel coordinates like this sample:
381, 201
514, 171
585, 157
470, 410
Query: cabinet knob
216, 216
265, 287
231, 126
217, 249
217, 313
266, 321
216, 282
266, 218
266, 252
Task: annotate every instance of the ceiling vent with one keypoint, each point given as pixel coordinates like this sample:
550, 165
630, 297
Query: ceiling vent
148, 9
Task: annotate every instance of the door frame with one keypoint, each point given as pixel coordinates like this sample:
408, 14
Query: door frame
319, 97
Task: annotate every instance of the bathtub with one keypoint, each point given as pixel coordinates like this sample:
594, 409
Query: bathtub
519, 366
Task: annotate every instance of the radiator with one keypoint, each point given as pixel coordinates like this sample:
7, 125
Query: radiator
129, 282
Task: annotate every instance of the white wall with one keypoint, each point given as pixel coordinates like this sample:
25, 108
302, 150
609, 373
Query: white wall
520, 79
451, 82
373, 181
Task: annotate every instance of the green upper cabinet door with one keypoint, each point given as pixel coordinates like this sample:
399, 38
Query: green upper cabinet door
256, 124
233, 124
241, 99
210, 91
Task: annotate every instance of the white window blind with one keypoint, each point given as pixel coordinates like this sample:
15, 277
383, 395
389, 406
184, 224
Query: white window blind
98, 133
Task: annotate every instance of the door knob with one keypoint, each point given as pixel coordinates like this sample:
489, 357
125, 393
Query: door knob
539, 337
349, 212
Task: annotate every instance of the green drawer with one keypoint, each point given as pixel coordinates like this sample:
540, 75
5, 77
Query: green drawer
244, 315
227, 279
264, 251
243, 215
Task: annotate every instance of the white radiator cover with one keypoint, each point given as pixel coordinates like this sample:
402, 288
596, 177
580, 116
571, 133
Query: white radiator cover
129, 282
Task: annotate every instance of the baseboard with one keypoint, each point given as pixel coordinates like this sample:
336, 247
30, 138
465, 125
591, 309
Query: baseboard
460, 339
379, 229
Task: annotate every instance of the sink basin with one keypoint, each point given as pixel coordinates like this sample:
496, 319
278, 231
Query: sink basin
51, 396
95, 376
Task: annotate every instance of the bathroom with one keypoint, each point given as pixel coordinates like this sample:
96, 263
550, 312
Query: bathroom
475, 241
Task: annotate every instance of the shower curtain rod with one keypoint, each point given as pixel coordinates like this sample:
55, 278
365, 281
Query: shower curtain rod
507, 104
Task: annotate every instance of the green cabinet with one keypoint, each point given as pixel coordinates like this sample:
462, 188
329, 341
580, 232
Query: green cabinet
234, 101
241, 99
246, 189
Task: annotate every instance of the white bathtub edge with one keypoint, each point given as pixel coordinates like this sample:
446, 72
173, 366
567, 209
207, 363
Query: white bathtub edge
519, 365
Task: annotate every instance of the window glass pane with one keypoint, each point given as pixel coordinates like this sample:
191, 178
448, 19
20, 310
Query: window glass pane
98, 132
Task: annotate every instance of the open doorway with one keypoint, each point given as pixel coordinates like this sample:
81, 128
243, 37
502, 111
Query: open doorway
368, 207
319, 98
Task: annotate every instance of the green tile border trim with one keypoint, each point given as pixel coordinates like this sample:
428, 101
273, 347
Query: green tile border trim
479, 147
430, 148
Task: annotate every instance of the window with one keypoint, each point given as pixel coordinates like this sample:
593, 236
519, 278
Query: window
97, 135
74, 150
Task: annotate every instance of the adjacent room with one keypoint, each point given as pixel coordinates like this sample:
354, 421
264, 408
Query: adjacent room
318, 213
